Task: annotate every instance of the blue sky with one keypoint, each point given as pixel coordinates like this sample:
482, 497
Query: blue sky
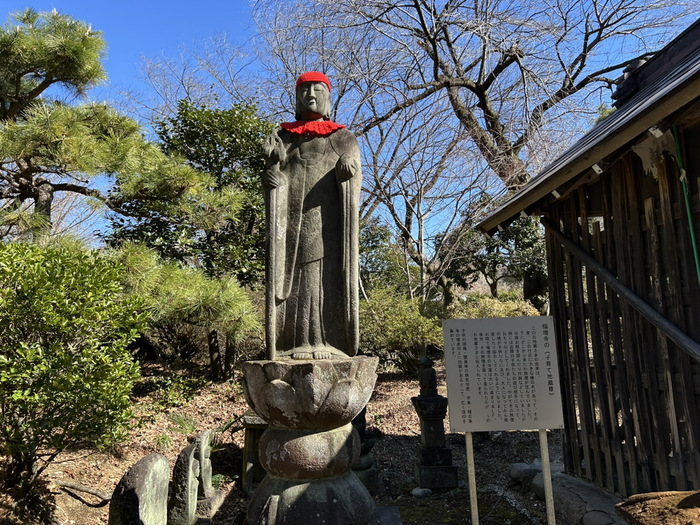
146, 28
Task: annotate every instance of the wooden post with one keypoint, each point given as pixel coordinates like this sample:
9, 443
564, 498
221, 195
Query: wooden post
473, 504
547, 478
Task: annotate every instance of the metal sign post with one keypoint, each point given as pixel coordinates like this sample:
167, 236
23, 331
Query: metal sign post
502, 375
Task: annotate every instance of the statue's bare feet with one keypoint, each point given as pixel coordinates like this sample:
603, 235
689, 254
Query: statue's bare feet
302, 355
322, 355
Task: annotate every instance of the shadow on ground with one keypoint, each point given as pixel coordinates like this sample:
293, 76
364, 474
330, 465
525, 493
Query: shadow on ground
499, 503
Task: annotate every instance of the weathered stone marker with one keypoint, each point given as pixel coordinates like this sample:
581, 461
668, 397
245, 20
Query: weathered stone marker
182, 506
146, 496
141, 496
434, 468
209, 499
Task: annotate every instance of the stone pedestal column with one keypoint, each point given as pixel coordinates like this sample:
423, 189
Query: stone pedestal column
310, 444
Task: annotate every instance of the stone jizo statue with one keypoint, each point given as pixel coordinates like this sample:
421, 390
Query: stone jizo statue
312, 183
311, 392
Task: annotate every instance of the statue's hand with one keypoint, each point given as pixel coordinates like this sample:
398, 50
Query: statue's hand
347, 166
272, 177
274, 148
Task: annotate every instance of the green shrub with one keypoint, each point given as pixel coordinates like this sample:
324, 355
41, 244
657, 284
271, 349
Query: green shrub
392, 328
65, 372
484, 306
219, 480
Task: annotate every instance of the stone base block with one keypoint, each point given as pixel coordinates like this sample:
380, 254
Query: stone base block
434, 457
206, 508
369, 478
440, 477
253, 472
320, 502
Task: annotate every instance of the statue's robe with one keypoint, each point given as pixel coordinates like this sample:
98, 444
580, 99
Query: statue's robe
315, 264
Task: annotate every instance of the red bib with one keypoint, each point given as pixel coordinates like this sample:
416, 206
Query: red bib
316, 128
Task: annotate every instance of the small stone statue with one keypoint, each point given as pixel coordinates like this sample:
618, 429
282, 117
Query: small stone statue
182, 506
203, 455
209, 499
141, 495
312, 184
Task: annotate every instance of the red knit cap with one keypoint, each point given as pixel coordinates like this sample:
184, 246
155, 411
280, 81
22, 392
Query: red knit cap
313, 76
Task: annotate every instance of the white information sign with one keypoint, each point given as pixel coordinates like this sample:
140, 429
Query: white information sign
502, 374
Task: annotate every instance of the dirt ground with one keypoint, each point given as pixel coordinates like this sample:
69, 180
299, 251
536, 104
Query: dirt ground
172, 409
667, 508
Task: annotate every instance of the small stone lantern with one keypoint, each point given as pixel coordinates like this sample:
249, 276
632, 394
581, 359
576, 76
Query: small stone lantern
434, 468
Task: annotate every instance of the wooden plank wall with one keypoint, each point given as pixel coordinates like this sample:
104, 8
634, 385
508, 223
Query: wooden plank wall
631, 396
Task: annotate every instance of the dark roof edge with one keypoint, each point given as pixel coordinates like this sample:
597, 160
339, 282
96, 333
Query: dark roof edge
658, 65
546, 182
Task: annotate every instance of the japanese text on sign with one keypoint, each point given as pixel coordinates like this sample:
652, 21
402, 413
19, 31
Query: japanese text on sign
502, 374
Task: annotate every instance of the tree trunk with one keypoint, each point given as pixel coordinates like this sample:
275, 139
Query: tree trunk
448, 292
22, 474
230, 358
493, 287
536, 290
43, 199
214, 354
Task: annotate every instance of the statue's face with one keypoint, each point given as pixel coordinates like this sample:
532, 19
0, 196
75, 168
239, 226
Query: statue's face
313, 101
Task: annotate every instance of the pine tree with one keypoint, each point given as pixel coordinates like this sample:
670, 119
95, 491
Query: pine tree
49, 145
227, 145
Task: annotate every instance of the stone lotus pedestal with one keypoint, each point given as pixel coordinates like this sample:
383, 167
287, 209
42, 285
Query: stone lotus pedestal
310, 444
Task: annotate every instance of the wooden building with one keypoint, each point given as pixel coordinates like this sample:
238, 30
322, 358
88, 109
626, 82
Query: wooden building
621, 213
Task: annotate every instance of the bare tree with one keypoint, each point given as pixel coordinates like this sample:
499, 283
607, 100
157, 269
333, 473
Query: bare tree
445, 94
449, 98
416, 181
209, 73
508, 69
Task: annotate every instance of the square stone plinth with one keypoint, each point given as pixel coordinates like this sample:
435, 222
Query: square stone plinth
439, 477
435, 457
